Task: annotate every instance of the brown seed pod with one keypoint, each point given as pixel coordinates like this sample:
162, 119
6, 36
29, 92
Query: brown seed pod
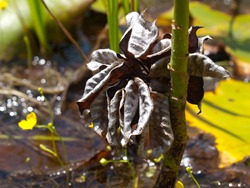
195, 90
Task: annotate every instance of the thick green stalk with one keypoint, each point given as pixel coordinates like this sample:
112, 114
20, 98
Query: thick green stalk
179, 58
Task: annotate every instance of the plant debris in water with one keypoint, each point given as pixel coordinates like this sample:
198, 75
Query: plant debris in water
130, 91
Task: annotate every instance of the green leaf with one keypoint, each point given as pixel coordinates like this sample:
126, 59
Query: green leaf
220, 25
214, 22
226, 115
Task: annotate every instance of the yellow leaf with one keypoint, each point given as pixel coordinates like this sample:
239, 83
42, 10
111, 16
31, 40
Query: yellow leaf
29, 123
3, 4
226, 115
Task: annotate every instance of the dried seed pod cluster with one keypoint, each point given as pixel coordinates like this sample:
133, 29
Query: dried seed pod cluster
129, 92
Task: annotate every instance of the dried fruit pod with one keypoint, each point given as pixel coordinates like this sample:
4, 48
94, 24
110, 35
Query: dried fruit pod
113, 119
137, 96
139, 37
157, 137
195, 91
131, 104
201, 65
99, 114
93, 87
193, 41
102, 57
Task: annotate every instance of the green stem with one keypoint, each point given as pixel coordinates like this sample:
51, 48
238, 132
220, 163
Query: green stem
29, 51
66, 163
38, 16
179, 58
113, 25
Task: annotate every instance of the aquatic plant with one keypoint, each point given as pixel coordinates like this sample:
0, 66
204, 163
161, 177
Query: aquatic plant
31, 122
138, 96
133, 88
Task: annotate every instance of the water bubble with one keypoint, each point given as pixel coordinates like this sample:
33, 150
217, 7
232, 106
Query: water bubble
25, 111
186, 162
58, 111
9, 103
198, 172
2, 108
12, 113
230, 185
14, 98
29, 93
36, 58
151, 164
41, 62
58, 173
15, 103
30, 109
43, 81
40, 98
48, 62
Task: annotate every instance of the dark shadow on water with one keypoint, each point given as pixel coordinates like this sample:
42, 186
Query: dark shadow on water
224, 109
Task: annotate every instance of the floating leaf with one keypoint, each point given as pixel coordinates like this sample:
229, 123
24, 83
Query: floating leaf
226, 115
215, 23
223, 26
